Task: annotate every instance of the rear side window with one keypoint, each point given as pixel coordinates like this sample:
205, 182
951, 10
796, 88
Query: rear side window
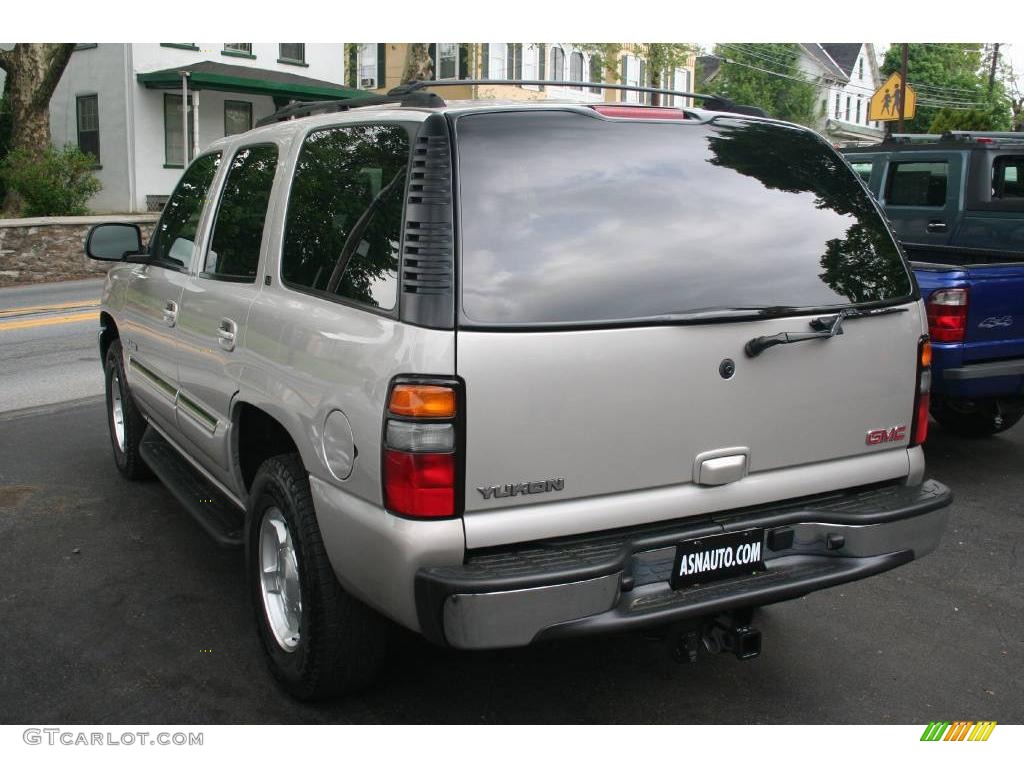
572, 219
1008, 178
920, 184
174, 240
344, 221
238, 231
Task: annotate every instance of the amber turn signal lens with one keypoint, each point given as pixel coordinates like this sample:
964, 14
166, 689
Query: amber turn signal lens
422, 400
926, 354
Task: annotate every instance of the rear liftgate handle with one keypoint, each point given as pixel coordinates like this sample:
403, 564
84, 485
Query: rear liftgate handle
226, 334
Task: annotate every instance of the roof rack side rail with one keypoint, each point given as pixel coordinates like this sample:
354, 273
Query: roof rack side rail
719, 103
307, 108
988, 134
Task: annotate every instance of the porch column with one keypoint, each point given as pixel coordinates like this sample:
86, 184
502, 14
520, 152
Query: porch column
184, 119
195, 123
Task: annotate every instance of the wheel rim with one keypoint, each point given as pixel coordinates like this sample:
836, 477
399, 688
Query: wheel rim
117, 409
279, 580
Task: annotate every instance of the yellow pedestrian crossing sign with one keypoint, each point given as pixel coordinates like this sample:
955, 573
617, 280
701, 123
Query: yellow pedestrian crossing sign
885, 104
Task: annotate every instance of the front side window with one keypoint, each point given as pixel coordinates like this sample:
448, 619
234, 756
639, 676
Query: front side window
174, 239
89, 125
557, 242
174, 142
238, 229
292, 52
918, 184
245, 48
237, 117
343, 226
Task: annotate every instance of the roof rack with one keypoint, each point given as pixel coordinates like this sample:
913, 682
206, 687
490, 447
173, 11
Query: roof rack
716, 103
307, 108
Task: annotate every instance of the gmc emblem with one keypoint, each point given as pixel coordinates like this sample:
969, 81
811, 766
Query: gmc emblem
890, 435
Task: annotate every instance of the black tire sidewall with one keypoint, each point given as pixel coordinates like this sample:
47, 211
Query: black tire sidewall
129, 462
289, 666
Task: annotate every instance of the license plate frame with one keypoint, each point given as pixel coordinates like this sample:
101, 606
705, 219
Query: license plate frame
717, 550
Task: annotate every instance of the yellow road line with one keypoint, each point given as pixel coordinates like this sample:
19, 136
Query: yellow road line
14, 325
43, 308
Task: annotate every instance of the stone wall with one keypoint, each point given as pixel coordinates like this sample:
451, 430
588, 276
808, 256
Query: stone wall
52, 249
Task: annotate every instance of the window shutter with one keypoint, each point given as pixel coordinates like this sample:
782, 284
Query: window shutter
542, 55
381, 68
644, 97
485, 61
624, 62
432, 51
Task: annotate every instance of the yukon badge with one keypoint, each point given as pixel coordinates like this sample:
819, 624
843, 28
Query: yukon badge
514, 489
890, 435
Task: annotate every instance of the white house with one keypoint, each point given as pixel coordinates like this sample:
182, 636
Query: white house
847, 75
142, 107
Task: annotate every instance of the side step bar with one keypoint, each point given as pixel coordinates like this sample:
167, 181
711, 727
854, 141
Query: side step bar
216, 513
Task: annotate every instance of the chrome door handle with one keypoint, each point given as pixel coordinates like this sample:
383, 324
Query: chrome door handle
226, 334
171, 313
936, 226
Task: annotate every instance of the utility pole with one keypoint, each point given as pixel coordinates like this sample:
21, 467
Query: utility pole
992, 74
903, 86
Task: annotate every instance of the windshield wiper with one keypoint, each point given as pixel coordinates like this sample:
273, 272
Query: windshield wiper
824, 328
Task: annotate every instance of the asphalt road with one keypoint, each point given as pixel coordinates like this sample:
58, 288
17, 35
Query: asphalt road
48, 348
114, 608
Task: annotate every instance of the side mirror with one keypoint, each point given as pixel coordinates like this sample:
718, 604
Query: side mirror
113, 242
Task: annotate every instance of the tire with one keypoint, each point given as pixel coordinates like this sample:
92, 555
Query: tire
333, 644
981, 420
124, 420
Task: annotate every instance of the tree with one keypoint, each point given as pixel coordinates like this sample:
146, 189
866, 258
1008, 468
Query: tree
661, 60
418, 64
952, 87
767, 75
33, 71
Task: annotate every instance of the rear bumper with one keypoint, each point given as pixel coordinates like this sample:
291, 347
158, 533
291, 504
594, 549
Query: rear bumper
1000, 378
619, 580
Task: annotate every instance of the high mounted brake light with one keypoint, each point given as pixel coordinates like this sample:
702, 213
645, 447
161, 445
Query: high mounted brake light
643, 113
419, 465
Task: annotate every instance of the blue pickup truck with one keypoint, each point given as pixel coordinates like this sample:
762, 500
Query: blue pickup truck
956, 204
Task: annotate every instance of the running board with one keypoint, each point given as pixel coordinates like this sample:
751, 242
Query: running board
212, 509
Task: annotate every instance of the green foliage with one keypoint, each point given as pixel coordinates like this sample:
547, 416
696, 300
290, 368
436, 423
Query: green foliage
786, 97
5, 138
59, 183
951, 66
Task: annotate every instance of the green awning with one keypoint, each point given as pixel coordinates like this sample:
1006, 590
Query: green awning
213, 76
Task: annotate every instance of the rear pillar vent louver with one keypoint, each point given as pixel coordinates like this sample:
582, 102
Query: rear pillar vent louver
427, 241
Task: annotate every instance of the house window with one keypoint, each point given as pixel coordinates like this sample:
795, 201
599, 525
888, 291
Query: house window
847, 109
244, 49
860, 69
858, 109
596, 76
837, 106
680, 82
576, 69
451, 61
292, 52
173, 150
514, 61
237, 117
632, 73
557, 63
368, 66
89, 125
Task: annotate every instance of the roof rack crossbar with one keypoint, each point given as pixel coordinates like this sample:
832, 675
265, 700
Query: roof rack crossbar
719, 103
307, 108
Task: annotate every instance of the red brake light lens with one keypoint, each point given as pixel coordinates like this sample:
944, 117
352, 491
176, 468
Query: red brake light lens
922, 397
419, 484
644, 113
947, 315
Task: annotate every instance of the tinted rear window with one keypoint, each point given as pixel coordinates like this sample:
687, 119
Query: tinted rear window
567, 218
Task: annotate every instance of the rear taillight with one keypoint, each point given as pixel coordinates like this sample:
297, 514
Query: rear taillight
420, 457
947, 314
922, 396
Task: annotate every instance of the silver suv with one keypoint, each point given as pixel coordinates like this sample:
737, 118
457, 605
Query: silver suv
503, 373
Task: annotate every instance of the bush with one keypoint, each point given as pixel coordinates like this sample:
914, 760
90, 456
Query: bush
58, 184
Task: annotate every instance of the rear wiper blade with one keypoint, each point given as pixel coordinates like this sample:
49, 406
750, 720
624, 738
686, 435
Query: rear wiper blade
825, 328
707, 314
